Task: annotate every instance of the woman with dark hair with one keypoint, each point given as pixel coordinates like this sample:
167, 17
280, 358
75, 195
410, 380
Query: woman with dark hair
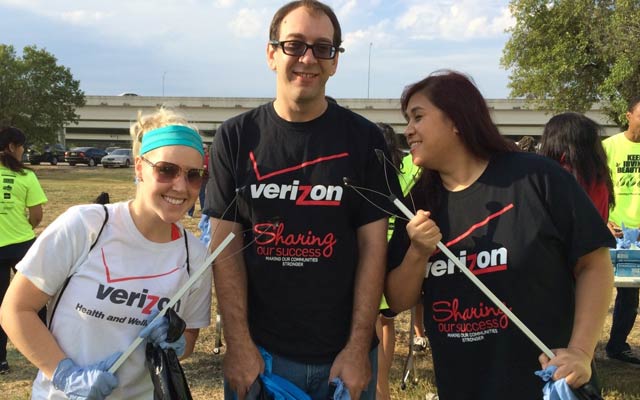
573, 140
521, 224
21, 192
385, 325
391, 138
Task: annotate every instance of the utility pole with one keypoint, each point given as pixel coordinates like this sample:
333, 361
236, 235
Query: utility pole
163, 74
369, 69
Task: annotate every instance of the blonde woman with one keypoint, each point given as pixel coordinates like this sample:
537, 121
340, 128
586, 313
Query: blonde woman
114, 267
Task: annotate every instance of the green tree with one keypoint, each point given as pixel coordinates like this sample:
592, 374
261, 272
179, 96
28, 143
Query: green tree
566, 55
36, 94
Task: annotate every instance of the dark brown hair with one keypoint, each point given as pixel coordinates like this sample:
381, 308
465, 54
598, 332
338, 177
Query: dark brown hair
312, 5
633, 103
393, 144
574, 140
11, 135
459, 99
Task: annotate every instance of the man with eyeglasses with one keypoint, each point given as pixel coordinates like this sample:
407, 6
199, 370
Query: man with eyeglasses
307, 285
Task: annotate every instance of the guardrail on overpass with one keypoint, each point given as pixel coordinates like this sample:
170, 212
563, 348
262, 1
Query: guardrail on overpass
106, 119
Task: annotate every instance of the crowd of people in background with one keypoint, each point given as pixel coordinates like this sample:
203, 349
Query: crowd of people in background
321, 254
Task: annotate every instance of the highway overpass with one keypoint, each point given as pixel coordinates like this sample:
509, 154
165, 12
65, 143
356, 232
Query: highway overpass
105, 120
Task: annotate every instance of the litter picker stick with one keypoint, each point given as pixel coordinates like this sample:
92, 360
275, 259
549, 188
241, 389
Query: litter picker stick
408, 362
481, 285
174, 299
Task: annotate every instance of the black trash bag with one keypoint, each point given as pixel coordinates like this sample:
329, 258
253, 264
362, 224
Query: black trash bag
169, 382
587, 392
103, 198
590, 390
257, 391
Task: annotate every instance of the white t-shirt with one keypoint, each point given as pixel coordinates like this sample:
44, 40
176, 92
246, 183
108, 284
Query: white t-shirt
113, 290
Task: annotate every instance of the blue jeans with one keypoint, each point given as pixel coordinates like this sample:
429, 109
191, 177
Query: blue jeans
313, 378
624, 316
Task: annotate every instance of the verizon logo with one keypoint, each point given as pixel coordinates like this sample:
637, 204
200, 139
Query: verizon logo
303, 195
142, 300
483, 262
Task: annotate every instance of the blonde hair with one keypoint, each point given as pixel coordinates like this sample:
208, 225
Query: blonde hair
158, 119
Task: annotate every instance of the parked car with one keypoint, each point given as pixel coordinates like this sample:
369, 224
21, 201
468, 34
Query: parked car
84, 155
109, 150
49, 153
118, 158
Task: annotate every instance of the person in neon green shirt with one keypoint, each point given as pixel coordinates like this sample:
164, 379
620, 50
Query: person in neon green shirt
409, 176
21, 200
385, 328
623, 154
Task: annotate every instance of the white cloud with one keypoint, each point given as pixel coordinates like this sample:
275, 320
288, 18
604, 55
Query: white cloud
504, 21
26, 4
188, 25
224, 3
377, 34
345, 10
83, 17
202, 45
248, 23
454, 20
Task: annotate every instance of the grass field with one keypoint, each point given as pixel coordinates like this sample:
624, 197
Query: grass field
66, 186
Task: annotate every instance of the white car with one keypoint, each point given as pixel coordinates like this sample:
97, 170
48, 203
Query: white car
118, 158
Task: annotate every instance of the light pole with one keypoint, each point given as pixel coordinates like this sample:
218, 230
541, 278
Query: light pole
163, 74
369, 69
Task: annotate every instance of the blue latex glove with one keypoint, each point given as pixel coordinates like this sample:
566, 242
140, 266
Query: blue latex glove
341, 392
93, 382
204, 226
156, 333
629, 237
555, 390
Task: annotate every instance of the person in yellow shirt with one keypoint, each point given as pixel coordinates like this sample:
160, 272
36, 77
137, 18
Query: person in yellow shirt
408, 173
623, 154
20, 211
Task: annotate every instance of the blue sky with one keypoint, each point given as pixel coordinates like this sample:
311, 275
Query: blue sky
217, 47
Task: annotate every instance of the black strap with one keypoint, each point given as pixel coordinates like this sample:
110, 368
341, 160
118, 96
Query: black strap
106, 218
66, 282
186, 245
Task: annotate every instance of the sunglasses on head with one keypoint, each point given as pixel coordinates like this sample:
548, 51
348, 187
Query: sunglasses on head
166, 172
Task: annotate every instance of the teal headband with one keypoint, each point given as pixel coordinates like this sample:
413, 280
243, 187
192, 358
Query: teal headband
171, 135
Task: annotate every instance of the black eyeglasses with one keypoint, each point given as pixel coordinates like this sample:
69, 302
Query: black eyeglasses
297, 48
166, 172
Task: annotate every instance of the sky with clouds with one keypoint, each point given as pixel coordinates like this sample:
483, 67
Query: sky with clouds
217, 47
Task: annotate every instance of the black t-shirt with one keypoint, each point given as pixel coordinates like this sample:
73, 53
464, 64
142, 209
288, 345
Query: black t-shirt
283, 182
520, 228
